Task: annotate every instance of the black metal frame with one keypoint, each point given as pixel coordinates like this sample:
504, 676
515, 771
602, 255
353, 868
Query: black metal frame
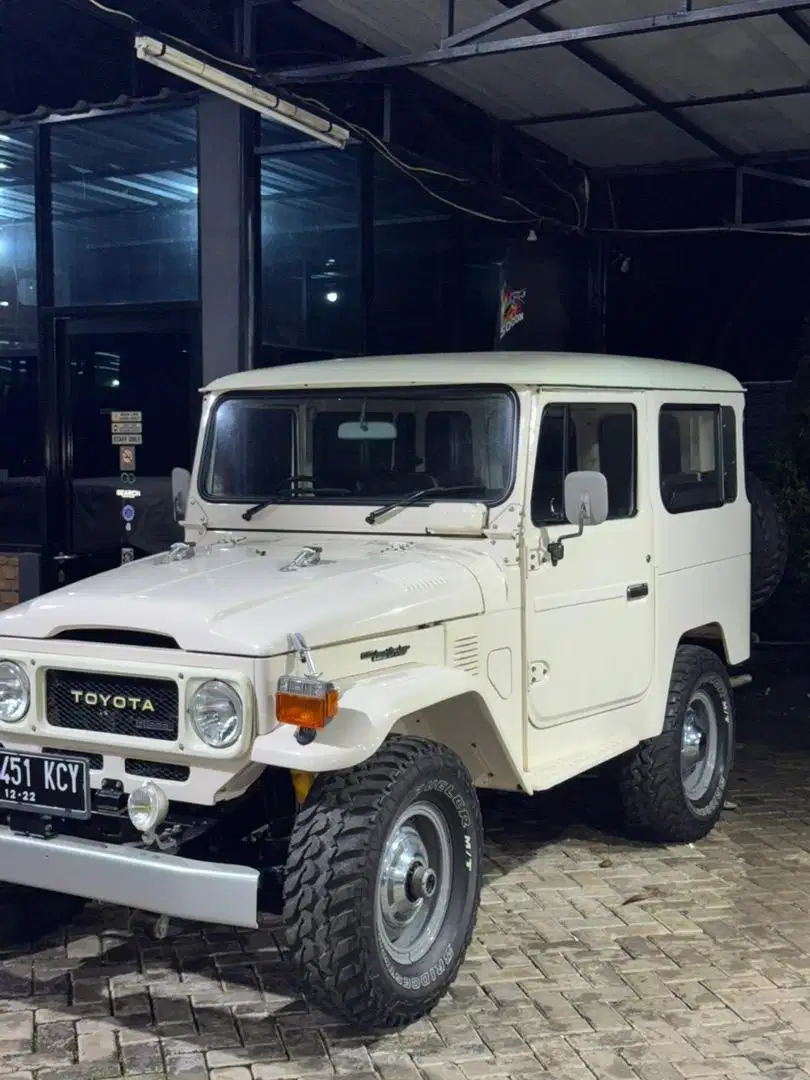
448, 53
466, 45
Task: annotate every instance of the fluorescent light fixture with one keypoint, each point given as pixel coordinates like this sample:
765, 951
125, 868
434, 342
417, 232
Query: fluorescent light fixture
267, 104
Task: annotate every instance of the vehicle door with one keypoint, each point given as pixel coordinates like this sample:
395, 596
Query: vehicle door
589, 619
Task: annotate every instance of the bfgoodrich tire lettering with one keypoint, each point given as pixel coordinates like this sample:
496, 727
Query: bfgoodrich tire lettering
673, 786
363, 848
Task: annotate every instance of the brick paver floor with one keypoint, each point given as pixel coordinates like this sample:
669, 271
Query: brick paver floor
593, 957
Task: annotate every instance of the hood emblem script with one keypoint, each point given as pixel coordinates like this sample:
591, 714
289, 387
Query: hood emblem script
307, 556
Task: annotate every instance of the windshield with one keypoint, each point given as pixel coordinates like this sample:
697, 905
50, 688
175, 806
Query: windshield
360, 445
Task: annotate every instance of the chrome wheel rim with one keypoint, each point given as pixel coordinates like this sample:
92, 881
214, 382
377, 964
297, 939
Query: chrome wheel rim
700, 745
414, 883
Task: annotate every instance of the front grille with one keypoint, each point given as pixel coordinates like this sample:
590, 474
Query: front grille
137, 707
157, 770
95, 762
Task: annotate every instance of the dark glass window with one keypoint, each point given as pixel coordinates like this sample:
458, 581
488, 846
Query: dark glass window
21, 434
613, 452
311, 299
125, 209
18, 291
21, 451
417, 298
252, 448
418, 437
698, 457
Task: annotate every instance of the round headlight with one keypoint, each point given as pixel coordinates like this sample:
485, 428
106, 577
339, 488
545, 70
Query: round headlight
15, 692
147, 807
216, 714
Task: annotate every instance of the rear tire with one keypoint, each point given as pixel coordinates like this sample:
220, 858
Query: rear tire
673, 786
769, 542
382, 884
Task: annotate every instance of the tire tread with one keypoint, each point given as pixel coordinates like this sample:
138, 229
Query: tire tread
650, 783
323, 886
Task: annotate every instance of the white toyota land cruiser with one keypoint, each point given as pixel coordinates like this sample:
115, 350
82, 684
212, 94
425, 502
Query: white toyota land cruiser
403, 579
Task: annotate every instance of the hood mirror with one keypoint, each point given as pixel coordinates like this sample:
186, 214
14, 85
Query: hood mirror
181, 485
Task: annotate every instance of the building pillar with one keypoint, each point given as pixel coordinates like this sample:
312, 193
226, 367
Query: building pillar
228, 205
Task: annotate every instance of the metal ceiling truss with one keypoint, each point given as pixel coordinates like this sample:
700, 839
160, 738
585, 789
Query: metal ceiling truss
449, 52
687, 103
466, 45
746, 171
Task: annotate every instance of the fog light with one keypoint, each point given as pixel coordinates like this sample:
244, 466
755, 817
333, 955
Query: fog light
147, 807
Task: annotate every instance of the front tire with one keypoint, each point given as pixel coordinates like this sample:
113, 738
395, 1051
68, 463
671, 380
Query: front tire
673, 786
382, 884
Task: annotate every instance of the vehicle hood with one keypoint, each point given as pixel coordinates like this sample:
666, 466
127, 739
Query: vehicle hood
237, 598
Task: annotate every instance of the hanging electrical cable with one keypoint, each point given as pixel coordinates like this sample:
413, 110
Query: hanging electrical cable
414, 172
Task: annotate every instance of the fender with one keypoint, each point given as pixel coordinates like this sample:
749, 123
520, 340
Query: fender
418, 701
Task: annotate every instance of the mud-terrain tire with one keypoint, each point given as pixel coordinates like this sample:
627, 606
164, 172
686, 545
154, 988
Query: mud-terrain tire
28, 915
769, 542
673, 786
366, 945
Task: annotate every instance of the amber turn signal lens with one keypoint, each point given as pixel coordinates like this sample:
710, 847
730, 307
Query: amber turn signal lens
305, 702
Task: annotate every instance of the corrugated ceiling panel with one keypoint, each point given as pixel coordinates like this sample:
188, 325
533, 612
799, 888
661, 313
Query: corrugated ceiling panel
507, 86
754, 127
755, 55
705, 61
621, 141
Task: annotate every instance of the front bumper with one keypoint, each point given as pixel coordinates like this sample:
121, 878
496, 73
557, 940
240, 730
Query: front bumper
132, 877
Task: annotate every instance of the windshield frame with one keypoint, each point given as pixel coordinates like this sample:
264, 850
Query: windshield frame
294, 396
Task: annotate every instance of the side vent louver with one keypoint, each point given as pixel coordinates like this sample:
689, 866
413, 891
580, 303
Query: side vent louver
465, 653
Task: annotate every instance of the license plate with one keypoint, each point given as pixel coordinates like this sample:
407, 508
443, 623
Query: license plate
45, 784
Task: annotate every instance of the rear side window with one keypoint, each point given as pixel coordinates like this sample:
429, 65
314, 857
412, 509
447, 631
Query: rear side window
697, 448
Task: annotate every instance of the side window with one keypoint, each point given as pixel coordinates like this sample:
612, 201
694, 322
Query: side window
697, 448
590, 437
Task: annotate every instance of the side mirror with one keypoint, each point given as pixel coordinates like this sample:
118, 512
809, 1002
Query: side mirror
181, 485
586, 503
586, 498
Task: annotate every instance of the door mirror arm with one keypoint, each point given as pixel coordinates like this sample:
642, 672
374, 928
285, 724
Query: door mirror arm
556, 549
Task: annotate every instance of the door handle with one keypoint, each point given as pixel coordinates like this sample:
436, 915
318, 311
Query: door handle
62, 558
638, 592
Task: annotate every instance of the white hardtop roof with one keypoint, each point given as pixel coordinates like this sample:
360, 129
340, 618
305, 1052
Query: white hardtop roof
498, 368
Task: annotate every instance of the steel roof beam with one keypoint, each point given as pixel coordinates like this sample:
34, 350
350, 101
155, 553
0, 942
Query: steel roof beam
796, 24
567, 37
686, 103
629, 85
481, 29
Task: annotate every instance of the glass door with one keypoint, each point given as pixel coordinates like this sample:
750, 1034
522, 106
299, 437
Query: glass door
128, 409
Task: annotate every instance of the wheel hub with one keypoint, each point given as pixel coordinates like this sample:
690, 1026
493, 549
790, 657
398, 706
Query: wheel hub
422, 882
413, 883
700, 745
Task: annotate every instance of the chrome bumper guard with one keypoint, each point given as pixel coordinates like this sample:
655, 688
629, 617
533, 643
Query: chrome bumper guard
132, 877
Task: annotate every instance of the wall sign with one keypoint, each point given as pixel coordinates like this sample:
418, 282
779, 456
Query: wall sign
126, 459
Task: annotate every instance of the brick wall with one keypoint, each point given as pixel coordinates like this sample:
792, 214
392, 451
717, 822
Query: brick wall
9, 581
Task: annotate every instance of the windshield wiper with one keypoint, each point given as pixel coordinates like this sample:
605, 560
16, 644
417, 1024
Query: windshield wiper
252, 511
292, 482
415, 496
